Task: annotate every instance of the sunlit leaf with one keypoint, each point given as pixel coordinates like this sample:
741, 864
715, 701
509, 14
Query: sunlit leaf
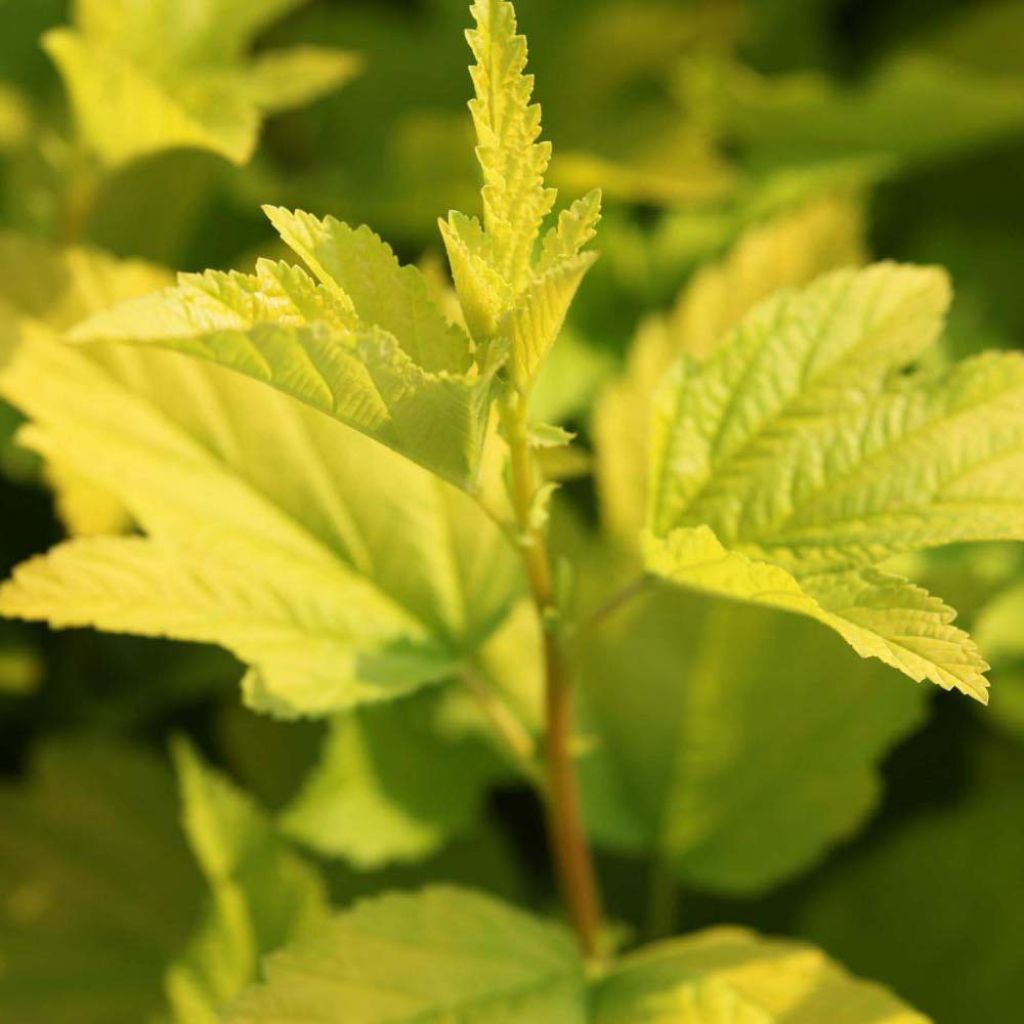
513, 286
800, 457
365, 345
732, 976
787, 251
14, 118
150, 76
338, 571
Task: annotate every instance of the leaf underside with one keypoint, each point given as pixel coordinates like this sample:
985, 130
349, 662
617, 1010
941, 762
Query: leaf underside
338, 571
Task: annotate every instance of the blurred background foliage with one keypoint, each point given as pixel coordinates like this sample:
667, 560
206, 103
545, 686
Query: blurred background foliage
841, 803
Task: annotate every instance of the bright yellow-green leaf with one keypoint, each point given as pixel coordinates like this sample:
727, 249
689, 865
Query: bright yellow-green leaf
43, 289
366, 344
153, 75
85, 509
261, 894
338, 571
575, 229
285, 79
880, 616
512, 159
515, 288
200, 32
733, 976
800, 457
535, 322
483, 292
786, 252
440, 954
363, 273
124, 114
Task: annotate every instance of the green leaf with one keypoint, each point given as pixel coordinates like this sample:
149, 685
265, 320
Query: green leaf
785, 252
998, 628
732, 976
262, 895
97, 891
85, 509
483, 293
146, 77
286, 79
366, 345
338, 571
21, 670
800, 457
441, 954
15, 118
698, 757
914, 108
371, 801
901, 906
575, 229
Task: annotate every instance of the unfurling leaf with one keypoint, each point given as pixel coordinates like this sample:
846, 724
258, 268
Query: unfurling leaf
515, 288
806, 452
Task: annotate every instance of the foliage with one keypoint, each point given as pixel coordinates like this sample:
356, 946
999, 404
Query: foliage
144, 77
500, 537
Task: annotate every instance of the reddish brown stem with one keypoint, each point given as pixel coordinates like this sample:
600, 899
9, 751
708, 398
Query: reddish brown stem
570, 851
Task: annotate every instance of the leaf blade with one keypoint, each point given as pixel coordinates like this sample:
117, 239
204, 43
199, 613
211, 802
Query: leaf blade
440, 952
